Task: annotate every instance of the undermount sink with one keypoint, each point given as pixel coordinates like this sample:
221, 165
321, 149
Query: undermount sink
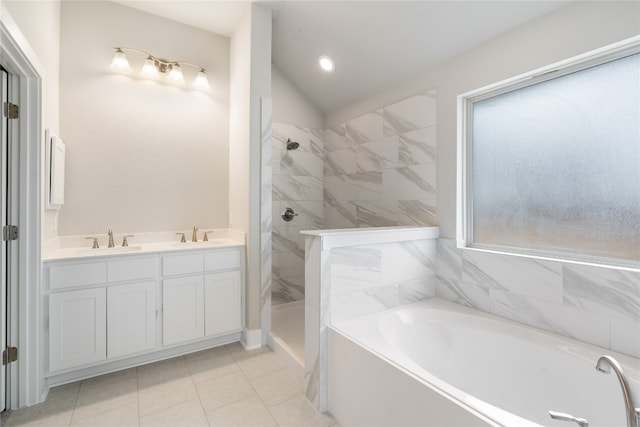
107, 251
211, 242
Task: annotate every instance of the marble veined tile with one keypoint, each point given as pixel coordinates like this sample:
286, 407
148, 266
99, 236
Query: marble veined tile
410, 183
379, 298
301, 164
288, 289
376, 213
337, 188
416, 112
376, 155
287, 264
365, 128
365, 186
602, 290
402, 261
306, 137
351, 305
471, 295
297, 188
316, 188
417, 212
625, 336
284, 241
449, 260
529, 277
418, 147
340, 162
339, 214
355, 267
590, 327
291, 187
335, 138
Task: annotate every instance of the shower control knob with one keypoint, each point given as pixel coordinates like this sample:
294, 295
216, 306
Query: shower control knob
288, 214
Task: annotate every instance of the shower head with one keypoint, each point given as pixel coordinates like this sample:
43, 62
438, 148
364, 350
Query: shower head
292, 145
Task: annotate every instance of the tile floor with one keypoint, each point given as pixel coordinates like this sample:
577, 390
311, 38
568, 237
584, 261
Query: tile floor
223, 386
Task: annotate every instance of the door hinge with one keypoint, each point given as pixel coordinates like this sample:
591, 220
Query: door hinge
11, 111
10, 232
9, 355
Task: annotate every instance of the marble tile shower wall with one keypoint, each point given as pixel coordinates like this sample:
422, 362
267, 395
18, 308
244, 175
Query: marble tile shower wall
593, 304
369, 279
380, 168
298, 184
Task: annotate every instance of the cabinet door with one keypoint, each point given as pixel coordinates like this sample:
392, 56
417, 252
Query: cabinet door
77, 328
182, 309
131, 318
222, 302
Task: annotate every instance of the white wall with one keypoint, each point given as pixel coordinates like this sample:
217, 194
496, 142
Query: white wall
250, 81
291, 106
141, 155
569, 31
39, 22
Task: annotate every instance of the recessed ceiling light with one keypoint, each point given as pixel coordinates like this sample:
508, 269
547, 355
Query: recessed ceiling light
326, 63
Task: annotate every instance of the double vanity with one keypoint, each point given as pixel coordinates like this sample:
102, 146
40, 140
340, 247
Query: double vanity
114, 308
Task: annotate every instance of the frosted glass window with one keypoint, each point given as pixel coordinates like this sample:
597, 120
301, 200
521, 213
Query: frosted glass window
555, 166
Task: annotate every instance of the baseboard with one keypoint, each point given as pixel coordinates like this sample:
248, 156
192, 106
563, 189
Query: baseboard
251, 339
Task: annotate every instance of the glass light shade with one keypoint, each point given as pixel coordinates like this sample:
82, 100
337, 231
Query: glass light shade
120, 61
326, 63
175, 74
201, 81
149, 68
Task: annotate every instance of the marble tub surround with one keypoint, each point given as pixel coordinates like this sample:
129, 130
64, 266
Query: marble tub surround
298, 184
598, 305
380, 168
74, 246
355, 272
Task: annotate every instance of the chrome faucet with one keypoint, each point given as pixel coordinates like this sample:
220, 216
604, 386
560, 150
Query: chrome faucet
632, 406
110, 244
194, 235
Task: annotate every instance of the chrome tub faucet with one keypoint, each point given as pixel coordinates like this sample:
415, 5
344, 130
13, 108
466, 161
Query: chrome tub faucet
632, 406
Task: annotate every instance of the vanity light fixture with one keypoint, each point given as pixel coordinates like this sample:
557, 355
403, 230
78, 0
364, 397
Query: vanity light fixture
120, 61
154, 67
326, 63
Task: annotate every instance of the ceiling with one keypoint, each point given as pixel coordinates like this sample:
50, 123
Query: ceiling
374, 43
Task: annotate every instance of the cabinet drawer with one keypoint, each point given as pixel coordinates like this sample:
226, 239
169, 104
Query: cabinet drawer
182, 264
64, 276
132, 269
222, 260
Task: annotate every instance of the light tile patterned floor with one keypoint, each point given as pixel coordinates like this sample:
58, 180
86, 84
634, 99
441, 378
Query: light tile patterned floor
223, 386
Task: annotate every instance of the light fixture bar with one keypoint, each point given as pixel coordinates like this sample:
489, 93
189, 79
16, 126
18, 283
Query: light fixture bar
154, 67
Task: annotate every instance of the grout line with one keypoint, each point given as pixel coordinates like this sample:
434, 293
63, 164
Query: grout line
75, 403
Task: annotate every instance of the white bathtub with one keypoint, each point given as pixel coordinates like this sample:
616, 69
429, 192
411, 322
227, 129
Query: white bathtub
438, 363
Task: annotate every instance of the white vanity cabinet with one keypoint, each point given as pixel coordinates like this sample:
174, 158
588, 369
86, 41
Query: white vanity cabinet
222, 302
100, 310
112, 312
183, 309
77, 328
205, 300
131, 318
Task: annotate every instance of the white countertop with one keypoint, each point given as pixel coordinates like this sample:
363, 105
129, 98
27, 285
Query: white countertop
74, 247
